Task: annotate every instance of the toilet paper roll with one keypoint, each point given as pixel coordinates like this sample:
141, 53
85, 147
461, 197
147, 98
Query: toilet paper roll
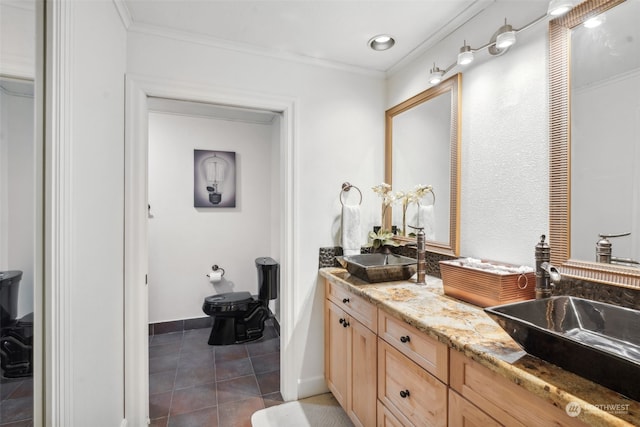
215, 276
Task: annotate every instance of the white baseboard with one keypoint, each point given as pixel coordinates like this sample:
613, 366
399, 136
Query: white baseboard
311, 386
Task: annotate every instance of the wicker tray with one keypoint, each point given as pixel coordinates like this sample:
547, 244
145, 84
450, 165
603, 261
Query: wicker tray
486, 288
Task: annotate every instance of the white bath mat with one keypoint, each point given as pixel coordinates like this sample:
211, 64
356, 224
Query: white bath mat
322, 410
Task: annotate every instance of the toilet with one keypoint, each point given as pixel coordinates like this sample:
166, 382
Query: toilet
16, 335
238, 316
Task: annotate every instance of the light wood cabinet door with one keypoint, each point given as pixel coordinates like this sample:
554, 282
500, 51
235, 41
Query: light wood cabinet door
350, 364
409, 391
463, 413
362, 375
336, 338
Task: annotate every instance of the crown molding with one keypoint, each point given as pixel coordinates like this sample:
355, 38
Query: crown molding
123, 11
249, 49
442, 33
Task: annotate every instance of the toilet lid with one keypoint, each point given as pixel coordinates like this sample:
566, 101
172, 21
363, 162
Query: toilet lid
228, 298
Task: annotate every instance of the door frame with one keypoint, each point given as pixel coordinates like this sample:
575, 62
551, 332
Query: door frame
136, 361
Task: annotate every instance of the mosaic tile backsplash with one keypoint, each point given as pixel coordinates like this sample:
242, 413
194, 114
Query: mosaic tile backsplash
617, 295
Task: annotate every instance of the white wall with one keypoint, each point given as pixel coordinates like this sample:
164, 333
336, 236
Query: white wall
184, 242
17, 192
338, 136
504, 183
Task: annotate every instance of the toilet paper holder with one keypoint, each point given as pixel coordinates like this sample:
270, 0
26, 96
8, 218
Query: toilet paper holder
215, 267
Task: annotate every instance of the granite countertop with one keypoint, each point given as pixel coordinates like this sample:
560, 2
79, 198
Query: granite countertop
466, 328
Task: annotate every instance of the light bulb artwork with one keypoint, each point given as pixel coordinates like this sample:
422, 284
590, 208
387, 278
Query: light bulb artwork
214, 178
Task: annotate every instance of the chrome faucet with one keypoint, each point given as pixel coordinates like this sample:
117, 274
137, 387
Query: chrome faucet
604, 250
546, 274
421, 255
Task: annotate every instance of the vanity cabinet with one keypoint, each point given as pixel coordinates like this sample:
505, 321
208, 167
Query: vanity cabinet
350, 354
387, 373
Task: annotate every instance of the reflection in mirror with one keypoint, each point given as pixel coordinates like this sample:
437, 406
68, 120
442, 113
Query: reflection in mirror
21, 207
421, 151
594, 170
422, 144
605, 152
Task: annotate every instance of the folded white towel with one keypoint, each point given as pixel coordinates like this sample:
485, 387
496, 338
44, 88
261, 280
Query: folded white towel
351, 230
427, 219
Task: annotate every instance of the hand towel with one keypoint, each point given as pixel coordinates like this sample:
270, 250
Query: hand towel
426, 219
351, 230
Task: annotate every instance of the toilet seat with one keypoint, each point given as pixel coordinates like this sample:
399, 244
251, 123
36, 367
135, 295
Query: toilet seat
228, 302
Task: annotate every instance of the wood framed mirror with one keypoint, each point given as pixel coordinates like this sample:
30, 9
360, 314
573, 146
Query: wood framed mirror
566, 137
422, 147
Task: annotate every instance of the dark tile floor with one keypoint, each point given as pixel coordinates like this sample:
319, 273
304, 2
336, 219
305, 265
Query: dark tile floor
194, 384
16, 402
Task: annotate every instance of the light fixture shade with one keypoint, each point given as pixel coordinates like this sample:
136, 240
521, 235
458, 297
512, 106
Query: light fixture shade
381, 42
506, 38
465, 56
436, 76
559, 7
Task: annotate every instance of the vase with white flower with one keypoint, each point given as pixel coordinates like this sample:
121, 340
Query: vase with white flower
384, 191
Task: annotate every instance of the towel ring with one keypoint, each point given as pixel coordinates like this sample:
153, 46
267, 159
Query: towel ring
346, 187
434, 196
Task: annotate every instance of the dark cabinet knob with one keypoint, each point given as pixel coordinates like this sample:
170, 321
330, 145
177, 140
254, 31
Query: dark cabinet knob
404, 393
405, 339
345, 324
342, 321
345, 300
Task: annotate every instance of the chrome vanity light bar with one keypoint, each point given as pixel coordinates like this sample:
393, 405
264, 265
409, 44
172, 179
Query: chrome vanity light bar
501, 41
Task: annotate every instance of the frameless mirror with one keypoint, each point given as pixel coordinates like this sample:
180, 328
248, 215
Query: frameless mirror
422, 146
595, 149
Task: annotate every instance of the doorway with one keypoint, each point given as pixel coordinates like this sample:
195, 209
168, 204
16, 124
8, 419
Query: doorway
139, 92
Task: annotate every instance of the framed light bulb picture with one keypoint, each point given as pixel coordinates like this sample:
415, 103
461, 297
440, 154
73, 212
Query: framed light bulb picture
214, 179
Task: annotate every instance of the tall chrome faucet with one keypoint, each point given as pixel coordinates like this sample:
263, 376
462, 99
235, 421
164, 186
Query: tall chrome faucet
421, 255
546, 274
604, 250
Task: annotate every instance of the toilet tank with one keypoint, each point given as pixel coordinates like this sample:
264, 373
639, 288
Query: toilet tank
268, 278
9, 287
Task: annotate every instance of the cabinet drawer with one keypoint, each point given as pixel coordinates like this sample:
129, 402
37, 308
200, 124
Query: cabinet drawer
408, 391
463, 413
426, 351
495, 395
365, 312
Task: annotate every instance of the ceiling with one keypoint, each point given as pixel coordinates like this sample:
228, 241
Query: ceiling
326, 31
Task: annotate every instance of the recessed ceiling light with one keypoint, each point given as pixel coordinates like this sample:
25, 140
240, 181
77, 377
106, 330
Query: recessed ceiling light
381, 42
